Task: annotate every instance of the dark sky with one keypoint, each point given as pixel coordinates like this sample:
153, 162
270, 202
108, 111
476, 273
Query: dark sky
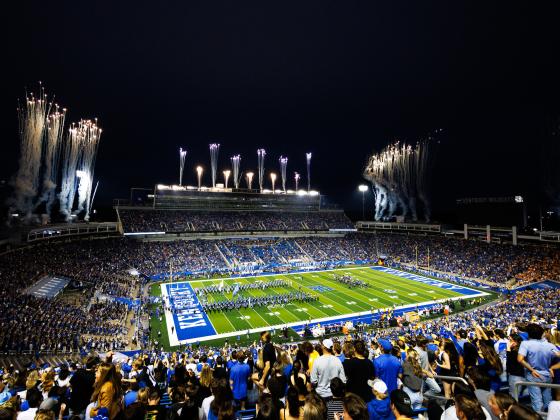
339, 79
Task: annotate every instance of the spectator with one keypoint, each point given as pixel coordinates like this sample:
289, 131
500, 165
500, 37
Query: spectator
354, 408
379, 407
387, 367
314, 407
448, 363
468, 408
412, 378
480, 381
499, 404
293, 409
239, 375
514, 369
400, 405
536, 356
326, 367
358, 371
521, 412
336, 403
107, 390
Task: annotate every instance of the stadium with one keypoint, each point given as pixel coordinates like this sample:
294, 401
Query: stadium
278, 213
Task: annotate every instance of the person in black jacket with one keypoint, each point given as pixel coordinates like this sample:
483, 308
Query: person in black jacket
515, 370
81, 385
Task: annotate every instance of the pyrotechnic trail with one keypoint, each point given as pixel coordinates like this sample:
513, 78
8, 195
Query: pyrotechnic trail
261, 153
273, 179
226, 177
214, 150
199, 176
182, 156
398, 174
70, 156
296, 178
283, 166
249, 177
53, 146
32, 120
308, 158
90, 136
235, 162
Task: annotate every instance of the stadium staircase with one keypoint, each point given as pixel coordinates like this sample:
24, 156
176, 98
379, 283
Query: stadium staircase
306, 255
226, 259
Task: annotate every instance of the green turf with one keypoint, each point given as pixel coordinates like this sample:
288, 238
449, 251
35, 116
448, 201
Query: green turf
340, 300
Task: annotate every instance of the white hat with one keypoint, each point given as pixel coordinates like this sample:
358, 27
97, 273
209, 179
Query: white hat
378, 385
328, 343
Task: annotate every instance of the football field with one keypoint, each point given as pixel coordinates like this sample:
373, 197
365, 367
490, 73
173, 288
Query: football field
332, 301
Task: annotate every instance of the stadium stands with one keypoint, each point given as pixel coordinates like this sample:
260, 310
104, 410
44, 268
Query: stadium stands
140, 220
407, 370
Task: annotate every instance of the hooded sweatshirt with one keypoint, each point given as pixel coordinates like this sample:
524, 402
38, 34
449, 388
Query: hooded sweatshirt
380, 409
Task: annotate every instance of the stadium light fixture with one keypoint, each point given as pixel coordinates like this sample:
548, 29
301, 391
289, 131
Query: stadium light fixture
363, 188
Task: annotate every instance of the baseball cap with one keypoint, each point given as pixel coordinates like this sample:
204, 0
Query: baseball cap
386, 344
401, 401
328, 343
378, 385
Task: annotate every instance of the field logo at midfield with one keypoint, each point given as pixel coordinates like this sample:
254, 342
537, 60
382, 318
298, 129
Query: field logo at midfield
320, 289
189, 318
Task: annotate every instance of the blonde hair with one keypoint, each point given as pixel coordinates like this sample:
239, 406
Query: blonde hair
143, 395
206, 376
44, 415
412, 358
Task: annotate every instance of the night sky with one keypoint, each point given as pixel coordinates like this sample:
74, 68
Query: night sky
338, 79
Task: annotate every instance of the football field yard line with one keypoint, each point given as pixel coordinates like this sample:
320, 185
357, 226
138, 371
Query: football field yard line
410, 286
351, 292
418, 287
324, 296
390, 285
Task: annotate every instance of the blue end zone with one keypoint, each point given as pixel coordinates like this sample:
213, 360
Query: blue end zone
189, 318
431, 282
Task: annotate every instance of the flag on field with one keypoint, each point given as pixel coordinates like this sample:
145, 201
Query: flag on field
236, 289
222, 285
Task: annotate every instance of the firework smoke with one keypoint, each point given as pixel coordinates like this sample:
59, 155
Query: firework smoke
226, 177
214, 150
90, 135
273, 180
70, 156
32, 120
53, 146
199, 176
399, 175
283, 165
235, 162
182, 156
249, 177
261, 153
308, 158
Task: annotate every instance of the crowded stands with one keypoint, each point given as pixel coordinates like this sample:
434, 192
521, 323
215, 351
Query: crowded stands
461, 367
227, 221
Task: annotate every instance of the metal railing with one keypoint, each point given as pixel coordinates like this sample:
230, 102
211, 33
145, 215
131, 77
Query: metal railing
537, 384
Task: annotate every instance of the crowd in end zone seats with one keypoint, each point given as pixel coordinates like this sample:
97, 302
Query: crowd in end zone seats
359, 374
220, 221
